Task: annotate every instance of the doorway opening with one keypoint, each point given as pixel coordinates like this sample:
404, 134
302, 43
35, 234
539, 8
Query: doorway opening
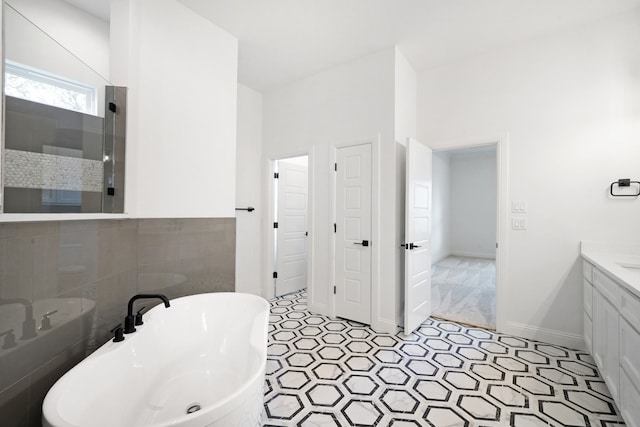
290, 227
464, 235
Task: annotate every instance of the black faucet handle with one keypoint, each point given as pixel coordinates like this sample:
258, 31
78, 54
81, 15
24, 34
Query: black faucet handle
9, 339
46, 322
118, 333
139, 321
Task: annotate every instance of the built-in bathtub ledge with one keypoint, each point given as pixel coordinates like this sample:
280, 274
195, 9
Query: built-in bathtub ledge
619, 261
59, 217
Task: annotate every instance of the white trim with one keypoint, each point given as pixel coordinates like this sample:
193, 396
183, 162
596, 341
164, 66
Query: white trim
464, 254
267, 231
311, 265
440, 258
551, 336
502, 214
376, 322
317, 308
502, 230
387, 326
2, 118
10, 217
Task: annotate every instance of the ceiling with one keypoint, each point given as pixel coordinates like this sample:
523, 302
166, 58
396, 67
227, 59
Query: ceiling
284, 40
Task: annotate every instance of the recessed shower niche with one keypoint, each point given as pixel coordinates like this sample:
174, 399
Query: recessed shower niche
64, 124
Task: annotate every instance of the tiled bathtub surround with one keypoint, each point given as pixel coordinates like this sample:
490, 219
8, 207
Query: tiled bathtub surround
324, 372
87, 270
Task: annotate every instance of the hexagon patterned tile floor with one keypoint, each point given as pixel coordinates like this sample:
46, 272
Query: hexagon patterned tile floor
328, 372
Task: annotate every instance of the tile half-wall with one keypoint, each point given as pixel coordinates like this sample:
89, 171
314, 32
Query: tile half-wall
86, 271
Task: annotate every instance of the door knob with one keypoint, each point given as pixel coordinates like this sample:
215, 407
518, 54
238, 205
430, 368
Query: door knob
412, 246
363, 243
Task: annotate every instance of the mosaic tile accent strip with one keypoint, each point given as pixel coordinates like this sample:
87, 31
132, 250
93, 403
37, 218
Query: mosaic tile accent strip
25, 169
333, 372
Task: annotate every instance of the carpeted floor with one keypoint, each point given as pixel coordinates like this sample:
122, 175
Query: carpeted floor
464, 290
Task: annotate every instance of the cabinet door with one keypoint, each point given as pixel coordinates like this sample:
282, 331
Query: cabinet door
630, 351
587, 314
598, 330
629, 398
587, 297
588, 332
605, 341
612, 351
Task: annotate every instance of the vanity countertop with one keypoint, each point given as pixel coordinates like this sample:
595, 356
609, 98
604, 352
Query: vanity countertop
621, 262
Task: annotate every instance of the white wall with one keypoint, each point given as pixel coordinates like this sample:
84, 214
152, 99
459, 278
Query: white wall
348, 103
570, 105
248, 190
80, 51
473, 198
441, 212
405, 101
181, 71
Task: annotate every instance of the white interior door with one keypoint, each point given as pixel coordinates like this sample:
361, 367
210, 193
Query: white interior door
291, 250
417, 286
353, 233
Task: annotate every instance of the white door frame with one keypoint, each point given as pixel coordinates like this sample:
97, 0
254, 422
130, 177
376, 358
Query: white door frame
417, 282
285, 235
375, 224
502, 214
269, 218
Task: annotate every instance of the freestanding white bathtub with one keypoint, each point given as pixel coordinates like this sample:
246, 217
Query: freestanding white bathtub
200, 362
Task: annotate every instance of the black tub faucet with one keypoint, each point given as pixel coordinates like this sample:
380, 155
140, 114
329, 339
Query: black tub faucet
129, 321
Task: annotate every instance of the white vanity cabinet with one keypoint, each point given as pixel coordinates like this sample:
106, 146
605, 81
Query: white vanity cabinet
630, 358
587, 298
606, 352
606, 341
612, 335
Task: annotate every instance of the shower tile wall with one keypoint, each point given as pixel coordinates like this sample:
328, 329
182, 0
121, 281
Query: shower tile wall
88, 270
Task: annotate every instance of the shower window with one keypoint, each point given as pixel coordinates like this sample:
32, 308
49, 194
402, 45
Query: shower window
35, 85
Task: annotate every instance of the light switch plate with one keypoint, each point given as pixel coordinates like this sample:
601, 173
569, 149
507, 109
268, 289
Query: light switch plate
518, 223
518, 206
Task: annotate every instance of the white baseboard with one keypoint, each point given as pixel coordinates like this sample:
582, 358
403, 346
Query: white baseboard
439, 258
483, 255
384, 325
551, 336
322, 309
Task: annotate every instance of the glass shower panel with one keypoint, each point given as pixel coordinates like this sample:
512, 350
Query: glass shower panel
53, 159
64, 127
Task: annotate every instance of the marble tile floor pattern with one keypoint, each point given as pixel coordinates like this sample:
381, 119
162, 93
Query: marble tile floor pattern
464, 290
332, 372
